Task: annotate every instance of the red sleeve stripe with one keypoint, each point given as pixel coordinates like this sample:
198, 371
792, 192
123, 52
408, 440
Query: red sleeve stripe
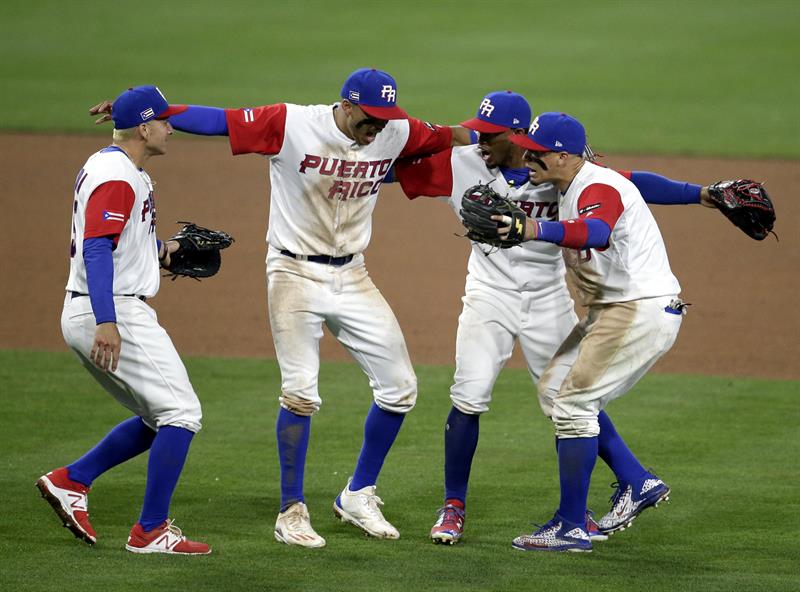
426, 138
601, 202
108, 210
260, 130
431, 175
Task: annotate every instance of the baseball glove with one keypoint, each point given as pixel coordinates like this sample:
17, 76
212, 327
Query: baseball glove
198, 254
478, 205
746, 204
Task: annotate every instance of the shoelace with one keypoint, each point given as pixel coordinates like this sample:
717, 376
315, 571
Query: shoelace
174, 529
296, 520
372, 502
617, 495
539, 527
450, 514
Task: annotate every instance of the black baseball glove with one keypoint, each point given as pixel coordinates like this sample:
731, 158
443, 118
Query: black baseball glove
198, 254
478, 205
746, 204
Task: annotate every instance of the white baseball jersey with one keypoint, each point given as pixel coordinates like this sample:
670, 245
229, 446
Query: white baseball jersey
635, 263
510, 294
124, 205
114, 198
450, 174
324, 186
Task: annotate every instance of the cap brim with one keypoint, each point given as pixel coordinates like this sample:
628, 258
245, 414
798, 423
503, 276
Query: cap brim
526, 142
172, 110
479, 125
384, 112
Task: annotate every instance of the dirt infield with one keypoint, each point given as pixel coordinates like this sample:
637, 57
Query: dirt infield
744, 320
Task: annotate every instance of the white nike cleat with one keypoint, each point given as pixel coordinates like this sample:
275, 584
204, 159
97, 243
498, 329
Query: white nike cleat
627, 504
361, 508
293, 527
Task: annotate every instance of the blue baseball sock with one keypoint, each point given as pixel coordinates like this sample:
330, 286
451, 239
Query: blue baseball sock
167, 457
460, 442
616, 454
576, 458
380, 430
126, 440
293, 433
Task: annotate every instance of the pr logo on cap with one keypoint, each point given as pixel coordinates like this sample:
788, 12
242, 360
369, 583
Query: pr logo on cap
500, 111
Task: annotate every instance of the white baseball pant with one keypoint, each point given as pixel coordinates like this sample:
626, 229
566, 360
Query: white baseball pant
302, 296
150, 378
603, 358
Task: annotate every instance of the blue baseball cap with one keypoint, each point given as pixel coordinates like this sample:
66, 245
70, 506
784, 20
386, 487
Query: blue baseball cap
140, 104
500, 111
375, 92
554, 132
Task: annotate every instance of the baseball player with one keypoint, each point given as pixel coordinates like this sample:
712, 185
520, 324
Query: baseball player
114, 269
614, 251
327, 164
511, 294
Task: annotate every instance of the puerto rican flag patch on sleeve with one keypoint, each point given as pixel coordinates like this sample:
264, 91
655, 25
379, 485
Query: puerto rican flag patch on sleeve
113, 216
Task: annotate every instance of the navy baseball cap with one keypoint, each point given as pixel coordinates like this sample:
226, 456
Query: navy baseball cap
500, 111
554, 132
375, 92
139, 104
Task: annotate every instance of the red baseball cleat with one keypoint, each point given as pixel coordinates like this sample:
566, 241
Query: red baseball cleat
69, 499
166, 538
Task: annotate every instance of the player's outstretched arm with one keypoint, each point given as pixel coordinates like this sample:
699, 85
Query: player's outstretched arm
461, 136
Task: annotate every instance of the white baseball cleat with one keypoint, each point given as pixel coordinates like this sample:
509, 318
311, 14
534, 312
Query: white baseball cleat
166, 538
627, 504
361, 509
70, 501
293, 527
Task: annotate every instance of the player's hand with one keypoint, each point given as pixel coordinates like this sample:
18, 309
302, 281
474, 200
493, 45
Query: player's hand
106, 346
528, 234
705, 198
167, 249
103, 108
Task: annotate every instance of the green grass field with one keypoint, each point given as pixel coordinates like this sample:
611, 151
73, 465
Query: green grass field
687, 77
728, 448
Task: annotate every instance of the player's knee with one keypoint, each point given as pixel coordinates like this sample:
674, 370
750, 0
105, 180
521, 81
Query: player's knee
189, 416
576, 427
298, 405
469, 405
400, 399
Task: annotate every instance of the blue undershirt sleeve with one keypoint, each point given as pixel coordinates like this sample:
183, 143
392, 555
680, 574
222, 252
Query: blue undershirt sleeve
597, 233
551, 232
473, 137
99, 262
660, 190
390, 176
205, 121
